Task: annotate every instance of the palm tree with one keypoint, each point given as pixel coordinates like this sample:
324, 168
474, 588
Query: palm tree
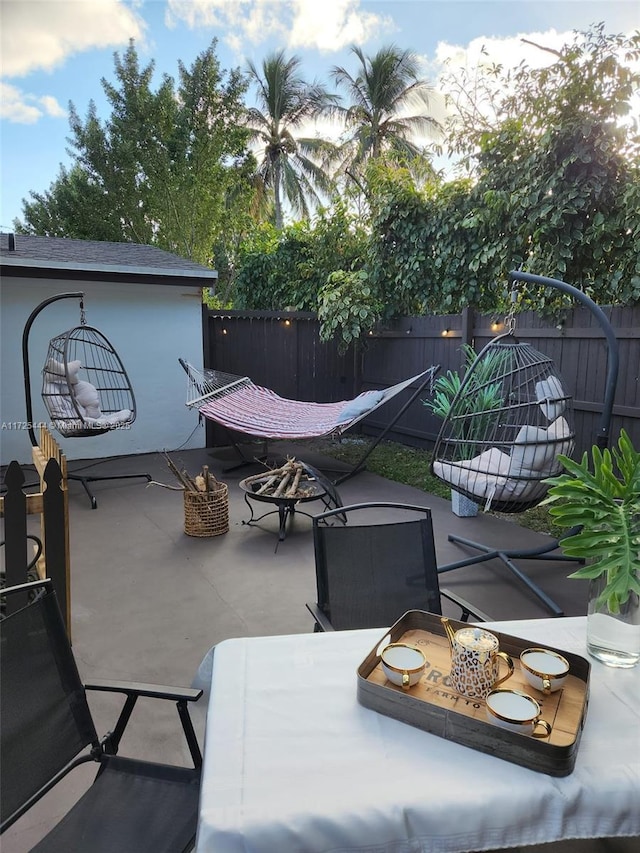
386, 87
286, 103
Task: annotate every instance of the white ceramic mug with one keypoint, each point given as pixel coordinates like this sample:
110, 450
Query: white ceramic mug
403, 664
545, 670
515, 711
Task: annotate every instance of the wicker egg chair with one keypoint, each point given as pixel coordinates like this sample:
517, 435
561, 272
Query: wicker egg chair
506, 426
85, 388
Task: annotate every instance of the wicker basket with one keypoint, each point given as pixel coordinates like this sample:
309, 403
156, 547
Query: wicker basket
206, 513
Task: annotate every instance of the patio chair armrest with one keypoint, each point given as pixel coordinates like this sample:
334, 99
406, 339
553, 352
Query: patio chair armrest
467, 609
136, 688
133, 690
322, 623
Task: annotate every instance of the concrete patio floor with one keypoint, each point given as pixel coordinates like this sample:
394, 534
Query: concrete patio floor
149, 601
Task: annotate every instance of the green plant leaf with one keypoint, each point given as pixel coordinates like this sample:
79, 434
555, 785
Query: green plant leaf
602, 499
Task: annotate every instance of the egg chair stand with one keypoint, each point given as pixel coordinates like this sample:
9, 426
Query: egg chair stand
487, 476
86, 390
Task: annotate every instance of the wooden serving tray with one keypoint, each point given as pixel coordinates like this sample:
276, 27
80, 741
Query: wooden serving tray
434, 706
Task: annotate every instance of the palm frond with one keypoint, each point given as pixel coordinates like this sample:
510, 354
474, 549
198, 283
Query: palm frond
386, 84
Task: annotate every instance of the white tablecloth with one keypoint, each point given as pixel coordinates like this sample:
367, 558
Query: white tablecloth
294, 763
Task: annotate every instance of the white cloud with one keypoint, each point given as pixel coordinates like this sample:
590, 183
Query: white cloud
42, 35
326, 25
52, 107
508, 52
333, 24
14, 108
200, 13
21, 108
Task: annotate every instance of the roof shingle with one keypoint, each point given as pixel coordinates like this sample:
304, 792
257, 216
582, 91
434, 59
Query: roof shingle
56, 251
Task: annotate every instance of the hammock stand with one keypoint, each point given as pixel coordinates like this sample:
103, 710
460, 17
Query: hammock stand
238, 405
85, 388
532, 423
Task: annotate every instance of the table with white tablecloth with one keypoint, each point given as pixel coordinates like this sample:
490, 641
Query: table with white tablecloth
294, 763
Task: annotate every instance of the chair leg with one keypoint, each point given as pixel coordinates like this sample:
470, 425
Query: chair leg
507, 557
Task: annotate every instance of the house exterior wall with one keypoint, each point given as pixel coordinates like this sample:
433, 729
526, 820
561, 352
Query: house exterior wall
149, 326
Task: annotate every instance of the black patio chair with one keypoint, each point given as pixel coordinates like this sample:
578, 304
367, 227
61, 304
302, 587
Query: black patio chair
48, 730
368, 574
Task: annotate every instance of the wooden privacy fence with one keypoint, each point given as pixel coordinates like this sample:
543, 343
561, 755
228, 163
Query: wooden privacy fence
283, 351
21, 557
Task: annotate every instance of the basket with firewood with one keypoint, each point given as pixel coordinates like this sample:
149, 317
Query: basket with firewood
206, 502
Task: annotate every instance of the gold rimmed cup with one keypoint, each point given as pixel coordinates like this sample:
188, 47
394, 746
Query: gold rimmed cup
543, 669
517, 712
403, 664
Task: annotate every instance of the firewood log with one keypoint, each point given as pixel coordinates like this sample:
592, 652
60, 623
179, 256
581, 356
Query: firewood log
283, 485
268, 485
291, 492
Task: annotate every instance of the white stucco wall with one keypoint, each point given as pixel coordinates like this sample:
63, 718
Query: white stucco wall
149, 326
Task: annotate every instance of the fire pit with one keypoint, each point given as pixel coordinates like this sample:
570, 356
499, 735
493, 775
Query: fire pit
287, 487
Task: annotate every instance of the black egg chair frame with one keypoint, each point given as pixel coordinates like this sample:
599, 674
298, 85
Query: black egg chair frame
546, 552
506, 426
85, 387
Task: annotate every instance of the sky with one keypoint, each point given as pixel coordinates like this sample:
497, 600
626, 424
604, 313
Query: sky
53, 52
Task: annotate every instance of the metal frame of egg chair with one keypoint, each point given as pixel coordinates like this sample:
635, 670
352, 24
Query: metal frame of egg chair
545, 552
102, 367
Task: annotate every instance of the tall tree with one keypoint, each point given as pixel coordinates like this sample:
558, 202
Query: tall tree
557, 179
73, 206
286, 103
168, 167
388, 110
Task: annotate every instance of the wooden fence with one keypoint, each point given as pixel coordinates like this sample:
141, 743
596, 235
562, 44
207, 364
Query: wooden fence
22, 558
283, 351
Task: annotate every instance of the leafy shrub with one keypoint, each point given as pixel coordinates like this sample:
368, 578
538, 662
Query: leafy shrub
348, 307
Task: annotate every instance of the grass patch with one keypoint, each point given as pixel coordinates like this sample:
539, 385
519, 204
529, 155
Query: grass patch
411, 466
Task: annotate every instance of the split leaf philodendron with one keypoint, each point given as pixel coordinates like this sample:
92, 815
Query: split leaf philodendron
602, 501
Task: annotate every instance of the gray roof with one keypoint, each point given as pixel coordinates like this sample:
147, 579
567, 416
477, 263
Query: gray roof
93, 256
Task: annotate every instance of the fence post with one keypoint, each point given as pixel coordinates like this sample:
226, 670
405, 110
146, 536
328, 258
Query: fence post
55, 526
53, 560
15, 527
468, 324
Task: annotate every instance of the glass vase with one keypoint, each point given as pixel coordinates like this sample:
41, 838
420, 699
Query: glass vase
613, 638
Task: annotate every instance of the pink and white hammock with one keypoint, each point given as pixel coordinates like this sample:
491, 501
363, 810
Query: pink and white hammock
239, 405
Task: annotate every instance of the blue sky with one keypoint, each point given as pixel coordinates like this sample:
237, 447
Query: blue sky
56, 51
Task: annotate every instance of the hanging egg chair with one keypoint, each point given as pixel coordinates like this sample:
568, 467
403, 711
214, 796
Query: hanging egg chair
505, 428
85, 387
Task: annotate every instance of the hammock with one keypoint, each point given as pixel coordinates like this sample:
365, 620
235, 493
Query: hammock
238, 404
